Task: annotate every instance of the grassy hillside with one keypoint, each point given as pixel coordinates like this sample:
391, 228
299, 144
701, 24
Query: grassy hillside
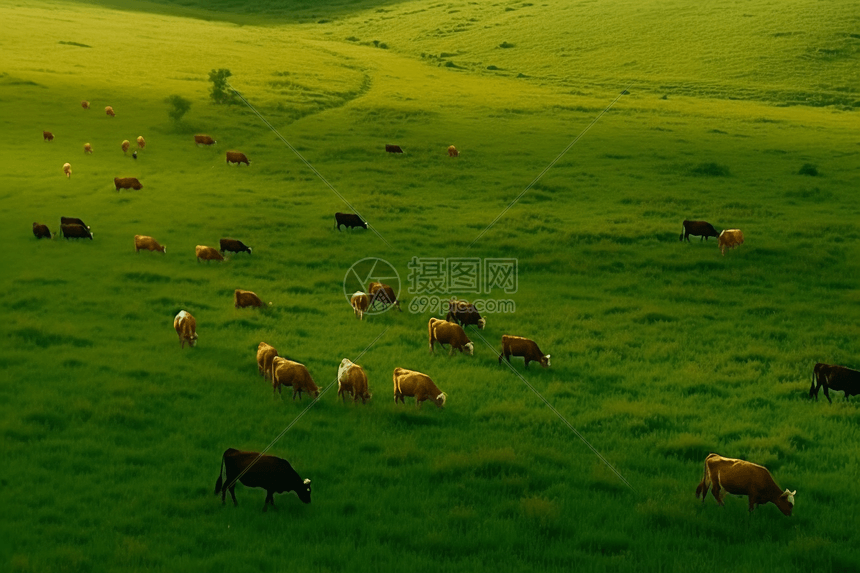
662, 351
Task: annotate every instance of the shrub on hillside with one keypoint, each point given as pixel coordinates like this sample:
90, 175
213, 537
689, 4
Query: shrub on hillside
179, 107
710, 169
808, 169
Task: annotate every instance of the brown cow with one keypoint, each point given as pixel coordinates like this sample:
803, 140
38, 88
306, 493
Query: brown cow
703, 229
125, 145
382, 293
464, 313
452, 151
244, 298
739, 477
186, 328
289, 373
351, 379
253, 469
519, 346
127, 183
85, 104
360, 302
41, 231
207, 254
833, 377
67, 169
141, 143
204, 140
88, 148
411, 383
75, 232
47, 136
729, 239
148, 243
266, 354
393, 148
109, 111
237, 157
234, 246
445, 332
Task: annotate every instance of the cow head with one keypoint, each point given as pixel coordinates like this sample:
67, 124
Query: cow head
470, 348
440, 400
364, 224
304, 492
545, 361
193, 340
785, 502
482, 322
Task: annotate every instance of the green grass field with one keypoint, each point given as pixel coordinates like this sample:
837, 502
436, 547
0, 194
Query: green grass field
662, 351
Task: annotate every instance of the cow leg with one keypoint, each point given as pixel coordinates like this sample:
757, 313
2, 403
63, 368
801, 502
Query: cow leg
232, 494
827, 393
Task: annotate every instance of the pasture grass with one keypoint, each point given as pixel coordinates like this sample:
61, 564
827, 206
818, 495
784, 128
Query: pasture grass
662, 351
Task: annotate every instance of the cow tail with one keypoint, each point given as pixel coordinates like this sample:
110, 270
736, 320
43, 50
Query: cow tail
812, 388
220, 482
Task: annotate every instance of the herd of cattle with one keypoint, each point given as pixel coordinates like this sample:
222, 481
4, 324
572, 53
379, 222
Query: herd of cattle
275, 475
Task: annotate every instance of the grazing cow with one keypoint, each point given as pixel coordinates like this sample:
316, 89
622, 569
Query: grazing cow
88, 148
234, 246
127, 183
360, 302
204, 140
411, 383
519, 346
73, 221
207, 254
41, 231
237, 157
833, 377
271, 473
729, 239
382, 293
76, 232
243, 298
739, 477
67, 169
85, 104
351, 379
134, 155
697, 228
393, 148
125, 145
148, 243
186, 328
109, 111
445, 332
47, 136
464, 313
348, 219
266, 353
286, 372
452, 151
141, 143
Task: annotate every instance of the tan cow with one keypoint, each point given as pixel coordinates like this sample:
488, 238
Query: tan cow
739, 477
351, 379
204, 140
289, 373
47, 136
519, 346
125, 145
729, 239
148, 243
88, 148
266, 354
452, 152
109, 111
186, 328
237, 157
67, 169
141, 143
411, 383
243, 298
85, 104
360, 301
207, 254
445, 332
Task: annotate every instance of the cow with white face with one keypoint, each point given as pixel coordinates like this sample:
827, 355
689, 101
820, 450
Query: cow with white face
186, 327
351, 379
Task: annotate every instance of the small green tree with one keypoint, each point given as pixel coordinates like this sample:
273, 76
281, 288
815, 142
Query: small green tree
180, 107
219, 93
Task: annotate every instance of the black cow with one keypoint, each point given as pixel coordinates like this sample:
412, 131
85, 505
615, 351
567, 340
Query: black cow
234, 246
73, 221
464, 313
41, 231
393, 148
76, 232
833, 377
702, 228
268, 472
348, 219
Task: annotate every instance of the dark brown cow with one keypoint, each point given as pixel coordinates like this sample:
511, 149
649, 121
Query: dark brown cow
464, 313
697, 228
85, 104
393, 148
348, 219
75, 232
237, 157
204, 140
41, 231
273, 474
48, 136
73, 221
739, 477
245, 298
833, 377
382, 293
519, 346
127, 183
234, 246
